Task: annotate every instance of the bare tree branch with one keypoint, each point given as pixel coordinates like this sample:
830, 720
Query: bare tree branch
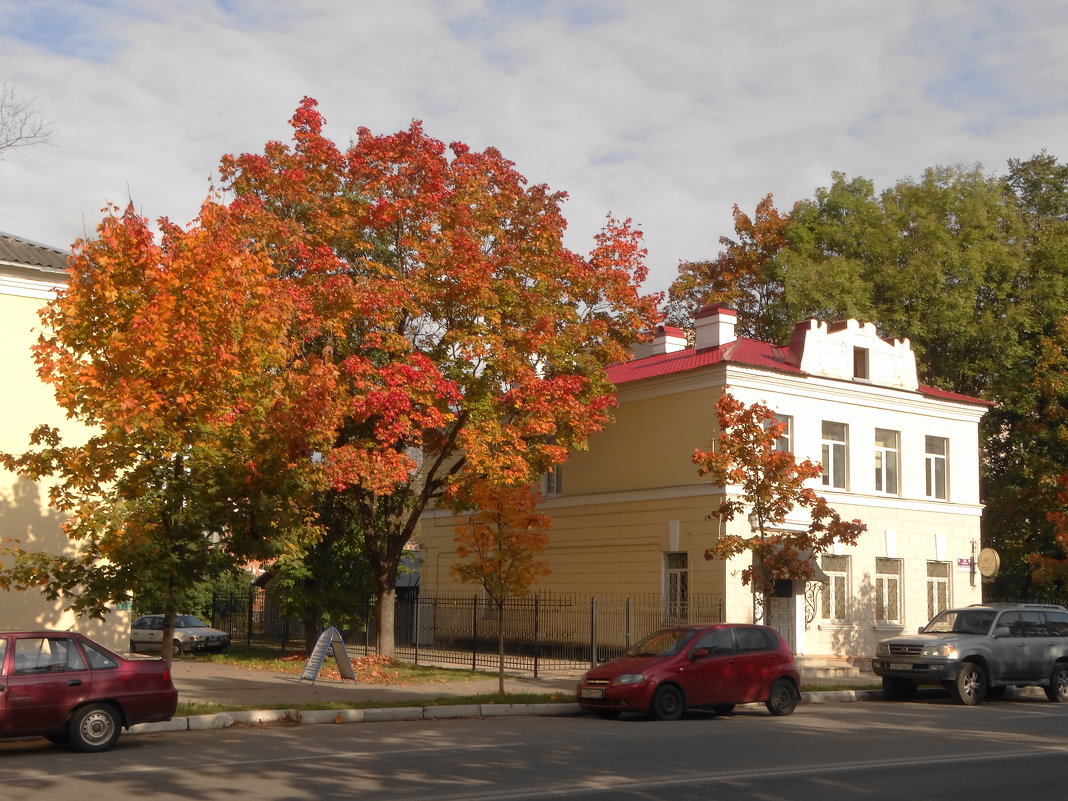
21, 123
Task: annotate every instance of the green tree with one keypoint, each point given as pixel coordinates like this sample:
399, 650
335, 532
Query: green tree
771, 485
500, 539
326, 583
174, 356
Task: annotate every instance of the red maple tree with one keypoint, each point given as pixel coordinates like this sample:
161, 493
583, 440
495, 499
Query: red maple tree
768, 484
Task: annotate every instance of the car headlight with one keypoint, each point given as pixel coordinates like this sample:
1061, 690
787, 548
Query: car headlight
629, 678
882, 649
947, 651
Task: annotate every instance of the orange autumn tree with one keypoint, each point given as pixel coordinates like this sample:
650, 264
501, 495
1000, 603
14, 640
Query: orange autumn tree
175, 356
771, 484
744, 275
467, 338
500, 539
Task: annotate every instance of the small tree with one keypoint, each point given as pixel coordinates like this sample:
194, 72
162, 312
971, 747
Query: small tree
772, 485
501, 542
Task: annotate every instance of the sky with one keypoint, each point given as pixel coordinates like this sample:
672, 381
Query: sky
667, 112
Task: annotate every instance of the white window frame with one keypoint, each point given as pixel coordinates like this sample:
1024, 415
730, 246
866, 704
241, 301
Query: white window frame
834, 606
887, 462
834, 456
936, 469
676, 565
785, 443
939, 596
887, 591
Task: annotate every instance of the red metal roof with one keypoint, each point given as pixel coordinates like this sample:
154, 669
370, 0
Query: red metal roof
743, 351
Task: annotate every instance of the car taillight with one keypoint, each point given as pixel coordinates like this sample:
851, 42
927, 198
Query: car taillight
167, 675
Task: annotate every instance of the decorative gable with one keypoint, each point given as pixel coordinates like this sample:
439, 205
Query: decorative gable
853, 351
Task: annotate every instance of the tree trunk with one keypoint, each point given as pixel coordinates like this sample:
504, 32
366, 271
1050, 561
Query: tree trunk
386, 612
170, 617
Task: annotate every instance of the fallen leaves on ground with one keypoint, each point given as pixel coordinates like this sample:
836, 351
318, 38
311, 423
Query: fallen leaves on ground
370, 669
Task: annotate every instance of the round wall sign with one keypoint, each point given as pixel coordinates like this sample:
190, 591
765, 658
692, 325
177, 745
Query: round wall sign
989, 562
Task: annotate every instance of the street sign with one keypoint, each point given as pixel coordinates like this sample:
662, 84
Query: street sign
329, 641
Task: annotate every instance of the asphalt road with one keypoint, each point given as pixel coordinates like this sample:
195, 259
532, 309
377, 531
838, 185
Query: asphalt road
929, 749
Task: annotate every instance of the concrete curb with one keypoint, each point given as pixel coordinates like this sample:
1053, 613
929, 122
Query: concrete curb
223, 720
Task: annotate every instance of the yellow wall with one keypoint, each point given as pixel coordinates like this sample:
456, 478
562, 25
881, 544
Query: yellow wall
24, 511
650, 445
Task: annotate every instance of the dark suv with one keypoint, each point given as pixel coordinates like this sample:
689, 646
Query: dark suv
978, 651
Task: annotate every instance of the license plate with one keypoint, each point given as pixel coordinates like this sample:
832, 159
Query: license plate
898, 666
592, 692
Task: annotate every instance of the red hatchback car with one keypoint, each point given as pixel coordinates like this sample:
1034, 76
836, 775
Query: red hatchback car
711, 667
63, 686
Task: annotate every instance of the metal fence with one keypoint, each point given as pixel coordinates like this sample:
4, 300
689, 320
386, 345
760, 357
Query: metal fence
540, 632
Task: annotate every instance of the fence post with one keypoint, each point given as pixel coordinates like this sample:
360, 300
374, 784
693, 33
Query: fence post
593, 632
537, 620
248, 630
416, 633
474, 632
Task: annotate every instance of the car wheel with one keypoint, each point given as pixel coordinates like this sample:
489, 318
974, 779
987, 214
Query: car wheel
94, 728
895, 689
133, 647
783, 697
178, 649
722, 709
1058, 683
609, 714
970, 687
668, 703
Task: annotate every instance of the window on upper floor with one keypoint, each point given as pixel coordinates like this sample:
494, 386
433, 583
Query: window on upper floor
835, 601
887, 458
784, 442
835, 454
554, 480
935, 467
860, 363
887, 590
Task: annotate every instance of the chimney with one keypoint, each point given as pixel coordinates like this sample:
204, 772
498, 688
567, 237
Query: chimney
665, 340
714, 326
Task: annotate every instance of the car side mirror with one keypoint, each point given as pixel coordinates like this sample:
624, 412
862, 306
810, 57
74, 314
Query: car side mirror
920, 629
1002, 631
699, 653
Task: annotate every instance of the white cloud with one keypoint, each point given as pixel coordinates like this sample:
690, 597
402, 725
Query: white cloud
667, 113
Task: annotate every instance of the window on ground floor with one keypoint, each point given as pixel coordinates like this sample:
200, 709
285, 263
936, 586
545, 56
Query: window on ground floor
937, 588
835, 603
676, 585
887, 590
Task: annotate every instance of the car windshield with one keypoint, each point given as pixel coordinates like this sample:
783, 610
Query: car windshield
664, 643
189, 622
961, 621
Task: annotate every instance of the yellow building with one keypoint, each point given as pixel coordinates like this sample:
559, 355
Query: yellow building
630, 514
29, 275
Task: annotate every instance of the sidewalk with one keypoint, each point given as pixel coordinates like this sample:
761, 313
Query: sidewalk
211, 683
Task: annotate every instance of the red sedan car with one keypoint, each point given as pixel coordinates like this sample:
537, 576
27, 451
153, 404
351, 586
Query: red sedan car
63, 686
711, 667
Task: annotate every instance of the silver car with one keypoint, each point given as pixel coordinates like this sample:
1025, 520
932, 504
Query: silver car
191, 635
977, 651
